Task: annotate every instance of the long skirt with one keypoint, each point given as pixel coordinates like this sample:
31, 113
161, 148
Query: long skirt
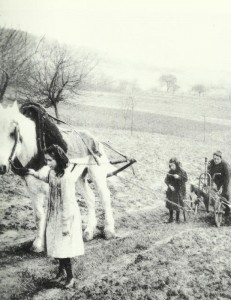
176, 198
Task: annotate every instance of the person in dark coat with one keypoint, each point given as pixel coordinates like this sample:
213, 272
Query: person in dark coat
222, 179
176, 181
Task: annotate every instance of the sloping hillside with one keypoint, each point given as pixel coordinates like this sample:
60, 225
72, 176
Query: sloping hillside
179, 105
149, 259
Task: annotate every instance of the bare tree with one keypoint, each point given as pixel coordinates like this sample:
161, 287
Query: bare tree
132, 105
125, 106
169, 81
103, 82
16, 50
199, 88
57, 73
123, 85
175, 87
129, 104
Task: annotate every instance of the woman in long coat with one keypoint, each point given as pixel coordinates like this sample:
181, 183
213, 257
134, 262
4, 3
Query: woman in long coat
176, 192
64, 226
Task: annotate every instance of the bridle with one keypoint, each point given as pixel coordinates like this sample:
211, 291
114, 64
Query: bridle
16, 142
16, 165
20, 169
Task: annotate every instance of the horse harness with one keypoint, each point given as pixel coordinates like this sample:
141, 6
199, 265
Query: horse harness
15, 163
36, 113
17, 139
17, 166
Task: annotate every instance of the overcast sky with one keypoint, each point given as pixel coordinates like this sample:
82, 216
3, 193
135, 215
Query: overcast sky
186, 34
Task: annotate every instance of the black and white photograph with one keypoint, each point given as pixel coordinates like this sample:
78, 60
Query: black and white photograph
115, 149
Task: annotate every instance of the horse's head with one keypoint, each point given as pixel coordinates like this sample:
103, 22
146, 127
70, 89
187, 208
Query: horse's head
10, 139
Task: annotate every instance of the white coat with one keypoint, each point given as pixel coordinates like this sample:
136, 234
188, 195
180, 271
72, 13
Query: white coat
63, 214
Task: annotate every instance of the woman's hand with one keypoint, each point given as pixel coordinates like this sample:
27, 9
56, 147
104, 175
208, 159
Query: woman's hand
176, 176
66, 232
30, 172
214, 187
171, 188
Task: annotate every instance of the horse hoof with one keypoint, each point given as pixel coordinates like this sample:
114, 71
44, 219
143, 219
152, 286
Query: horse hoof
37, 250
37, 247
87, 236
70, 283
109, 235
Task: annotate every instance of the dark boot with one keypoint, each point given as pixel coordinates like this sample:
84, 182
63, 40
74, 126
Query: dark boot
70, 282
227, 211
227, 214
61, 275
178, 217
170, 216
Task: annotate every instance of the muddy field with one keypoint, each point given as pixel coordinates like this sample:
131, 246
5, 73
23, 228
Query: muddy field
149, 258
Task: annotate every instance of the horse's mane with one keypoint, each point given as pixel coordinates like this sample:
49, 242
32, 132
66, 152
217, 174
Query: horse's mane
46, 130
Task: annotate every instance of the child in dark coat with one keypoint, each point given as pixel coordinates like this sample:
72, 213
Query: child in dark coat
176, 180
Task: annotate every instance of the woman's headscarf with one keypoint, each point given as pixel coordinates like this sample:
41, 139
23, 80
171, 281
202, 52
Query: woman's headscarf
175, 161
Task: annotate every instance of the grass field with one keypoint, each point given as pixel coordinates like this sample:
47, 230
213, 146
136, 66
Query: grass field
149, 259
180, 105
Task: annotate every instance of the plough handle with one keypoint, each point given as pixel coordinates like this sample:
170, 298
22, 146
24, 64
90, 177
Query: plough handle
130, 162
114, 162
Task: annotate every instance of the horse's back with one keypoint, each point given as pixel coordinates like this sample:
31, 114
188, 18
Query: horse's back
81, 143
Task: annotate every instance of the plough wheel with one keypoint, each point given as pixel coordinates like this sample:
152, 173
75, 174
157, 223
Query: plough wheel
193, 205
188, 209
196, 209
218, 215
187, 215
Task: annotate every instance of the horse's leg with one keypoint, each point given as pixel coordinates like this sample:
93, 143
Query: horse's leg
40, 220
90, 201
98, 176
38, 195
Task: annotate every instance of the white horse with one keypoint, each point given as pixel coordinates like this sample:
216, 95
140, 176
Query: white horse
19, 140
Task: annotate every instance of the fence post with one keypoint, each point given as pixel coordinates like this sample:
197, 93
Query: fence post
204, 128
